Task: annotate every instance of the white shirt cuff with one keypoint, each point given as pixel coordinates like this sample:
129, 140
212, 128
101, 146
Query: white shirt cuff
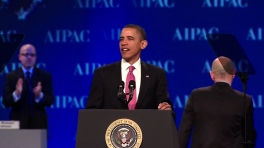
15, 96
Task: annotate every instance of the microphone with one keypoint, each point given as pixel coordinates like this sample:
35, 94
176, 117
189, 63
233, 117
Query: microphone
121, 95
120, 89
131, 86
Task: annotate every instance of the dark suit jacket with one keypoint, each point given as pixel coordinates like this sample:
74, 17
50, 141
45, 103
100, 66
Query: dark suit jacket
216, 116
104, 87
21, 109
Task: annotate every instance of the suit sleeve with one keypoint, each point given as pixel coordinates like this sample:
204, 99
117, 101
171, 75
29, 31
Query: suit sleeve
162, 94
186, 123
95, 98
251, 132
8, 99
47, 89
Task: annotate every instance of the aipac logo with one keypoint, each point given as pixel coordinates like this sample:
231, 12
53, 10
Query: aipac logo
21, 8
154, 3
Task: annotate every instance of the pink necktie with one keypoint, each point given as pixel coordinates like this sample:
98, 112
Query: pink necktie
130, 76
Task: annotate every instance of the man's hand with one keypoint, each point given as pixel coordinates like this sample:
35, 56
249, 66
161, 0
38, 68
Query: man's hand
19, 87
164, 106
37, 90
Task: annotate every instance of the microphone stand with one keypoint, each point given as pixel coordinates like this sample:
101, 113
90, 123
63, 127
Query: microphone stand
123, 99
244, 77
131, 93
130, 97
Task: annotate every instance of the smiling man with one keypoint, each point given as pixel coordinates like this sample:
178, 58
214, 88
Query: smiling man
151, 91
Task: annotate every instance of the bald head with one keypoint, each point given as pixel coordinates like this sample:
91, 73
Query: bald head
27, 56
26, 47
217, 68
223, 65
222, 69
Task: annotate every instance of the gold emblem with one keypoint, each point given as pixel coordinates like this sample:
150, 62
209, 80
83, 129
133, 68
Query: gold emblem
123, 133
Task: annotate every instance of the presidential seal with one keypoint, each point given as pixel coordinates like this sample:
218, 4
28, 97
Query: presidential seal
123, 133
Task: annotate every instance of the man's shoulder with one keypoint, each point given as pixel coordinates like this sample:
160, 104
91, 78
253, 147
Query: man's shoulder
111, 66
108, 67
152, 67
42, 71
206, 89
201, 90
241, 94
14, 72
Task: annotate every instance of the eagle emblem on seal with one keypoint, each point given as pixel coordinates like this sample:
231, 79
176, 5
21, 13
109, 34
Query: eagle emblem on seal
124, 137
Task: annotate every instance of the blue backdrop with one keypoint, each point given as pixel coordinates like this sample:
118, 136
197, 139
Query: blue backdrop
74, 37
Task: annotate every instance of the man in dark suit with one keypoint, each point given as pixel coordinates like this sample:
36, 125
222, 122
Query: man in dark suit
151, 91
216, 113
28, 91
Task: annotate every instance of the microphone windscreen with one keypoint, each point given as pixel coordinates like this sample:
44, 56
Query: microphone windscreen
132, 83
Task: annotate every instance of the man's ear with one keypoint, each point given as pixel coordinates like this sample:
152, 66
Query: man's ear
234, 73
212, 75
144, 44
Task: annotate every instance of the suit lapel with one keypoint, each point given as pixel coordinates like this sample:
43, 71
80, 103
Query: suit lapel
20, 74
116, 75
35, 78
144, 84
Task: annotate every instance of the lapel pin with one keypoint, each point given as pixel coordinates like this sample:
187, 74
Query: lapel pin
147, 76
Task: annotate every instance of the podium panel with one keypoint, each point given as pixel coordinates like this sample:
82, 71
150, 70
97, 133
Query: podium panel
99, 128
24, 138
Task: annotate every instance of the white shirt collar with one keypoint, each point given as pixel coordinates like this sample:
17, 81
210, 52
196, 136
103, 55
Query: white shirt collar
126, 65
26, 70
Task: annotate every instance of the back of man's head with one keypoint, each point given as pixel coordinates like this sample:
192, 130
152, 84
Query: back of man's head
222, 69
